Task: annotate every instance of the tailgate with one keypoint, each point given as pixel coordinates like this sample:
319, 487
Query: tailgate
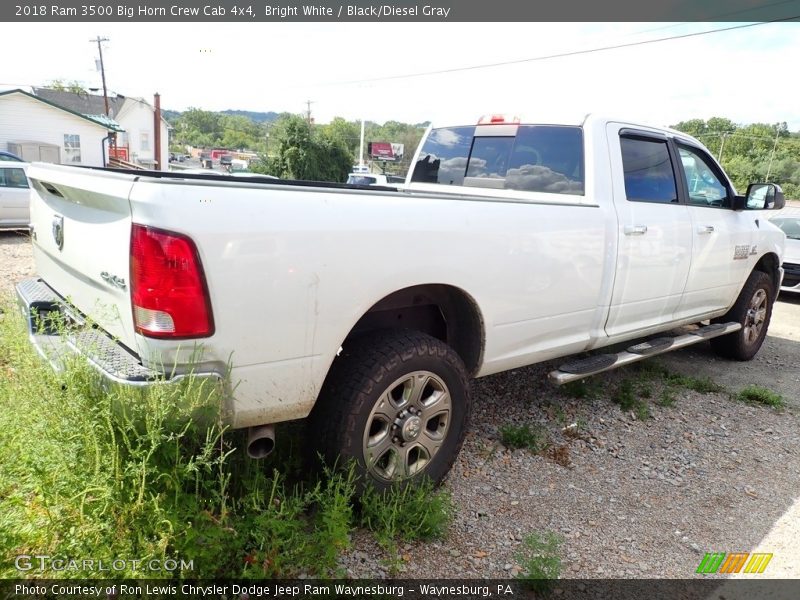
81, 230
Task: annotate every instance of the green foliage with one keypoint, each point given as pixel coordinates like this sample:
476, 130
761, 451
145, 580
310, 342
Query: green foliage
74, 86
298, 151
587, 389
629, 398
406, 513
152, 475
535, 439
760, 395
540, 558
751, 153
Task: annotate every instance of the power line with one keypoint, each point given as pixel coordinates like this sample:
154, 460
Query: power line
560, 55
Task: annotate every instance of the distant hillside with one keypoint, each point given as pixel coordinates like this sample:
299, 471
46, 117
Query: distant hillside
258, 117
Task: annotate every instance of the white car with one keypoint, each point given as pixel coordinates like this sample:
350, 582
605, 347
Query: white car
374, 179
790, 224
14, 195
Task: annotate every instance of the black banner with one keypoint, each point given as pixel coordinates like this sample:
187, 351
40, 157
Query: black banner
398, 10
415, 589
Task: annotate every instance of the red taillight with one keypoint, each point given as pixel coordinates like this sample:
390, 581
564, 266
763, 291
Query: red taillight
497, 120
168, 288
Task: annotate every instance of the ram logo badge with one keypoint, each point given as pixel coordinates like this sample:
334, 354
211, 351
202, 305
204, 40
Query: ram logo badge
58, 231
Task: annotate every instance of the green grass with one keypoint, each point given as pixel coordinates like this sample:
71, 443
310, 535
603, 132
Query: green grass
630, 398
535, 438
581, 389
152, 475
759, 395
654, 370
540, 559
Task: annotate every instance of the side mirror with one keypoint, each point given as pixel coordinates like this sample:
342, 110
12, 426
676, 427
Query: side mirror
764, 196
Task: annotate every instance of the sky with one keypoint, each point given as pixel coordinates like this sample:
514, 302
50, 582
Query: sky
352, 69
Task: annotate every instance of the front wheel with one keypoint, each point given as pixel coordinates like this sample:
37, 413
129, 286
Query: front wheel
753, 309
397, 403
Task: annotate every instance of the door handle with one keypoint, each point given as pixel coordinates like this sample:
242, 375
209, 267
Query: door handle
635, 229
705, 229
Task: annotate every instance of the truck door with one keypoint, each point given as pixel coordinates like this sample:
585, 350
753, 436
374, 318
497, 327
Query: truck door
722, 251
654, 229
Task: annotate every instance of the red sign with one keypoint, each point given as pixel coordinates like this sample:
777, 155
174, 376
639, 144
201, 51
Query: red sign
120, 152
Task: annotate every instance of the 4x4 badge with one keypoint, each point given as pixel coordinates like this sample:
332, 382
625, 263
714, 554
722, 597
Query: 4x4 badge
58, 231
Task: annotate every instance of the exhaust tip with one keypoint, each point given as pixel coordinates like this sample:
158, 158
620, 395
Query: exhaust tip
260, 441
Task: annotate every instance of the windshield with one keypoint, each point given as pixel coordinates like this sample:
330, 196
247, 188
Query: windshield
790, 226
361, 180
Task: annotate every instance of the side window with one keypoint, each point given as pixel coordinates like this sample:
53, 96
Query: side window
705, 187
444, 157
547, 159
539, 158
648, 170
13, 178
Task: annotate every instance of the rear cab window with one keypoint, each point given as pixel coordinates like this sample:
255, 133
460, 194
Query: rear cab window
527, 158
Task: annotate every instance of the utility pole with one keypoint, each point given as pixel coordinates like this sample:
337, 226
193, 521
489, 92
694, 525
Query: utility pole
771, 156
112, 140
99, 41
721, 146
308, 110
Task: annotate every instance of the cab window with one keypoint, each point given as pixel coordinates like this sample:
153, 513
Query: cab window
648, 170
539, 158
443, 159
705, 187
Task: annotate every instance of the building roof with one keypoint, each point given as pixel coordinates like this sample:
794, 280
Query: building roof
83, 103
98, 119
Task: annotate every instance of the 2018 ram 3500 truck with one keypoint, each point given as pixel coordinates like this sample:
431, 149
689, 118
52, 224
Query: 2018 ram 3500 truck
368, 310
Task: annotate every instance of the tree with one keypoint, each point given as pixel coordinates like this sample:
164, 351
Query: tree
74, 86
299, 152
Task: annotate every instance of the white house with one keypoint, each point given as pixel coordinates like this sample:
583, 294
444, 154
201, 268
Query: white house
135, 116
42, 130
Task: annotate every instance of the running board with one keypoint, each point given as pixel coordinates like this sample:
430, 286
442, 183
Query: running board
578, 369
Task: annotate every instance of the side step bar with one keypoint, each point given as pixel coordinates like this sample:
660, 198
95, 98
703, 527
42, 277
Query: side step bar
578, 369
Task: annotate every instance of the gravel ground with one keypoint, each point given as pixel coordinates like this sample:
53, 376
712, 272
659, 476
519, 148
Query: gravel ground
630, 498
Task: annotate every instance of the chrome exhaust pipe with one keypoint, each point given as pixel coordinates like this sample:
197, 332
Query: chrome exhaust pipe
260, 440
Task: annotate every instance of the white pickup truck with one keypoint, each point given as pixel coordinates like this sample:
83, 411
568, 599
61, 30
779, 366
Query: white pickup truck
368, 310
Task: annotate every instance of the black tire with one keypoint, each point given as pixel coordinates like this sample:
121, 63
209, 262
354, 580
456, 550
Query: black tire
382, 372
753, 309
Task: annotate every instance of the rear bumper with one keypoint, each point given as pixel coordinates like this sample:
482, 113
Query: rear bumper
42, 307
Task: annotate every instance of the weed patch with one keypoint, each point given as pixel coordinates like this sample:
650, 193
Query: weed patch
540, 559
535, 438
115, 473
405, 513
759, 395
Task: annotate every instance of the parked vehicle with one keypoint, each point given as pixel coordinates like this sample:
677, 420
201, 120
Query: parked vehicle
790, 224
368, 310
226, 160
374, 179
9, 156
14, 195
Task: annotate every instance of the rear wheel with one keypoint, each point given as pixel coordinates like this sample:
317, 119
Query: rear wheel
753, 309
397, 404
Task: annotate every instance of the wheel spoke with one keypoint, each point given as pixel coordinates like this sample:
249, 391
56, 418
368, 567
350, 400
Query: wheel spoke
430, 443
419, 384
414, 459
